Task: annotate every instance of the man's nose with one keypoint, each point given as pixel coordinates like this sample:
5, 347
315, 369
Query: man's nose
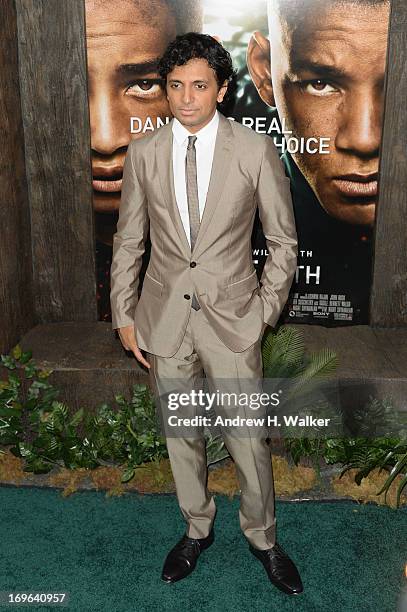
360, 125
110, 125
187, 95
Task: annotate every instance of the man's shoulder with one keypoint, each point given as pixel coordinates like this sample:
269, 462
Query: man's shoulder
149, 141
249, 143
246, 134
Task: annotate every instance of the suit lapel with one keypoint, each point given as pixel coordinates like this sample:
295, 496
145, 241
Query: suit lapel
163, 152
220, 169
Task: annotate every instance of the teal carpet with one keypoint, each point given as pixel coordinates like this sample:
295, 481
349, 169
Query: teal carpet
108, 552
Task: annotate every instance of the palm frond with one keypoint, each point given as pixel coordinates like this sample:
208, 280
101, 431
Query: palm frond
215, 449
283, 353
320, 366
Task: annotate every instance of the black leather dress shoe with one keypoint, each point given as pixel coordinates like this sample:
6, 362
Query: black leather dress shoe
280, 569
181, 560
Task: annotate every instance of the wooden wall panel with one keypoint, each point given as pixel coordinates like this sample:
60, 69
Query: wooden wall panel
53, 85
16, 308
389, 290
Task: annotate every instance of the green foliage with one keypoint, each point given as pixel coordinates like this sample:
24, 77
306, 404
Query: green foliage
369, 454
362, 452
215, 449
37, 427
284, 357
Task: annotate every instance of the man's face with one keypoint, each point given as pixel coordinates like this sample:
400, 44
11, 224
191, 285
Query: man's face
124, 42
193, 92
327, 81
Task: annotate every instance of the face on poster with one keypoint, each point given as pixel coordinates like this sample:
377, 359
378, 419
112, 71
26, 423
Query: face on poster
323, 66
124, 41
311, 75
319, 67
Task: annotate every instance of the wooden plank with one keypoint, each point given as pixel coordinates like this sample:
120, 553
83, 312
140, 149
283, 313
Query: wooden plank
16, 308
389, 288
89, 364
398, 16
53, 82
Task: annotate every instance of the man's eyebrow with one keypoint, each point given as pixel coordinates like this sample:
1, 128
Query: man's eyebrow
140, 68
323, 70
196, 81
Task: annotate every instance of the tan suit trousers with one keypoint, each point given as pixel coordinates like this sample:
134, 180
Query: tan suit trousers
202, 351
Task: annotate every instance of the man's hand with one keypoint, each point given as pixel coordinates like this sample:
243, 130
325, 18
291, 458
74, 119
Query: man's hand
128, 340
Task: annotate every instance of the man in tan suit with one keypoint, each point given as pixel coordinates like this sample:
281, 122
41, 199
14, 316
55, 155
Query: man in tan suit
195, 184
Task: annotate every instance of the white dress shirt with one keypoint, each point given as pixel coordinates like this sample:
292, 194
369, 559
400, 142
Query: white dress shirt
205, 146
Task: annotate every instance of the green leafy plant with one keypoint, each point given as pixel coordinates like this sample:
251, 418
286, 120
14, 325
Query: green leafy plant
365, 452
215, 449
37, 427
284, 357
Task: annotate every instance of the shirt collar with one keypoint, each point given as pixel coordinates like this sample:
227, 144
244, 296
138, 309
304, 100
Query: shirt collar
205, 135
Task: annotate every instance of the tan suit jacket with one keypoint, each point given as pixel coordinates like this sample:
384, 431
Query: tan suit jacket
246, 173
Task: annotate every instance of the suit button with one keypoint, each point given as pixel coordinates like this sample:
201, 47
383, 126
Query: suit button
187, 297
192, 264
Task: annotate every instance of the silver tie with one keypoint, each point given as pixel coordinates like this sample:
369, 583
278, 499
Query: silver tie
192, 197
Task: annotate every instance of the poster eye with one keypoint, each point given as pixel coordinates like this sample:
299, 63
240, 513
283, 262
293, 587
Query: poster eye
144, 87
319, 87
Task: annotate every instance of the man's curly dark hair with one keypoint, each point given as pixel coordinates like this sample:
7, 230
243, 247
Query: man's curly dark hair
199, 46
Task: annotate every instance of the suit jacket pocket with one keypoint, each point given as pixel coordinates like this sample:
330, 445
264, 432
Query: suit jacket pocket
151, 285
245, 285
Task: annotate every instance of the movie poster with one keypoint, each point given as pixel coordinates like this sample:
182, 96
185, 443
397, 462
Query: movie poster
306, 78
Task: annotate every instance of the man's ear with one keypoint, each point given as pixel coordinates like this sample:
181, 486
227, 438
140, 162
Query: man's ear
258, 63
222, 91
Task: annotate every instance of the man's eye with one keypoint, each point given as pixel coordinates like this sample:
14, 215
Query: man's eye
144, 88
317, 87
